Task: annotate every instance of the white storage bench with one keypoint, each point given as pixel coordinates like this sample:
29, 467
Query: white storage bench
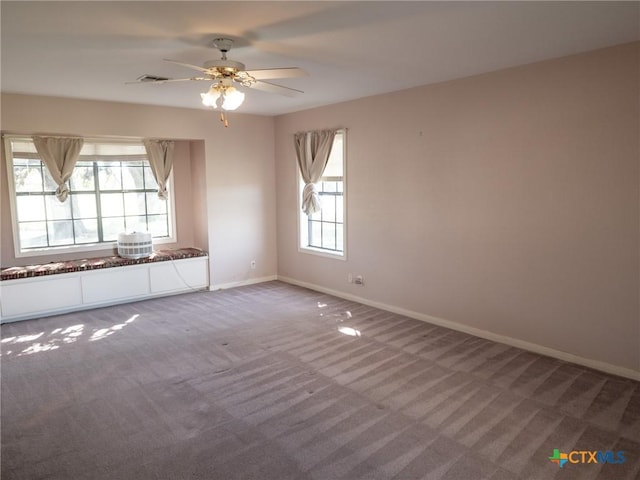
40, 290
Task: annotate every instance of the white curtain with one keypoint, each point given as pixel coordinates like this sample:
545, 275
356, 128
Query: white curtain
313, 150
60, 155
160, 154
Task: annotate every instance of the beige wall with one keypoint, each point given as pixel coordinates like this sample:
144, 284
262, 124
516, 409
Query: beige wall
198, 188
506, 202
226, 184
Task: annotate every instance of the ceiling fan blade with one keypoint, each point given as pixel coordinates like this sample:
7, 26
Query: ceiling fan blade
273, 88
269, 73
188, 65
157, 79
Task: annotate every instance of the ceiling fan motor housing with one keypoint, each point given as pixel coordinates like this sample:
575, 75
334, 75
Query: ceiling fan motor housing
228, 67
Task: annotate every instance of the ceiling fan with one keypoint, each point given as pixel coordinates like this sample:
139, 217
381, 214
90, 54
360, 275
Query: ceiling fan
224, 73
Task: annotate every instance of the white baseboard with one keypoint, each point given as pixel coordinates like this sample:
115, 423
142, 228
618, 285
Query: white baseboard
241, 283
514, 342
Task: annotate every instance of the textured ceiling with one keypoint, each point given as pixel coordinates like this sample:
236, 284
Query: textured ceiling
91, 49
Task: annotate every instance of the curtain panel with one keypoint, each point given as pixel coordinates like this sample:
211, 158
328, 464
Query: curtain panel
59, 155
312, 151
160, 153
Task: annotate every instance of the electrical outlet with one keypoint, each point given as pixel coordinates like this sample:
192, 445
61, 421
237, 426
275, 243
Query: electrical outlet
253, 264
358, 280
350, 278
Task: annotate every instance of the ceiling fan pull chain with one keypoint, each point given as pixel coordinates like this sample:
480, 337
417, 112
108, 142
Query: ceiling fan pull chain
223, 119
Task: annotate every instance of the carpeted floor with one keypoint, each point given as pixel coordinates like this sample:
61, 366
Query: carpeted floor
276, 382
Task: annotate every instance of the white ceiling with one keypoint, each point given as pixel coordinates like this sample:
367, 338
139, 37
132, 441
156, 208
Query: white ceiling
350, 49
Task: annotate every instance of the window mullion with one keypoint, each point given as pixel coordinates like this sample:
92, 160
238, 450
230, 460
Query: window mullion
73, 223
96, 186
146, 200
335, 219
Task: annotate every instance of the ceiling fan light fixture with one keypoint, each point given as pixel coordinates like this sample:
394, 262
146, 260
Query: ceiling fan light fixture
233, 98
210, 99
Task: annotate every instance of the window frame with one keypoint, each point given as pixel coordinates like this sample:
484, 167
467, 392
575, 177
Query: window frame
303, 221
109, 245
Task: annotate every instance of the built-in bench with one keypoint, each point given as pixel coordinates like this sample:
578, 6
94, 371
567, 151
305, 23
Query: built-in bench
39, 290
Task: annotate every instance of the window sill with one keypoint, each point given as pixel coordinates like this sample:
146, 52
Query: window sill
323, 253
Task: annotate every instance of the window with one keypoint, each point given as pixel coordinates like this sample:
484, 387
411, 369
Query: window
324, 231
112, 190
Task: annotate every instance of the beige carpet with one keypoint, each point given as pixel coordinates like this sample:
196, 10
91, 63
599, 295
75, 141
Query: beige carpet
275, 382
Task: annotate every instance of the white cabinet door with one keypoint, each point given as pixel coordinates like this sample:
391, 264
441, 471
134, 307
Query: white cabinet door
115, 284
39, 295
179, 275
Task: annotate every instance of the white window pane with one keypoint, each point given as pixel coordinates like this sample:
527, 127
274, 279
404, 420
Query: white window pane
329, 236
158, 226
60, 232
132, 176
111, 227
110, 176
134, 203
136, 224
339, 238
155, 205
82, 179
27, 178
33, 234
49, 184
86, 230
57, 210
328, 208
149, 180
84, 205
316, 234
328, 186
30, 208
111, 204
339, 209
